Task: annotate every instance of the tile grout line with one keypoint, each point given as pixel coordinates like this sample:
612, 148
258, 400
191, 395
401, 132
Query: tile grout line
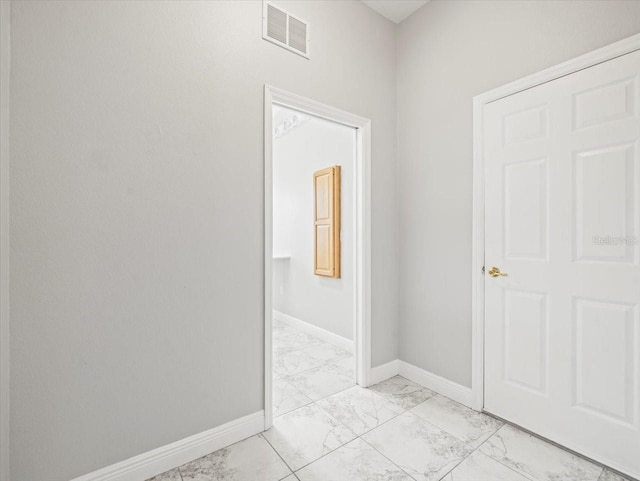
558, 446
462, 440
328, 414
497, 460
405, 410
311, 401
279, 455
476, 449
444, 431
360, 437
341, 423
315, 401
336, 420
285, 377
294, 409
385, 457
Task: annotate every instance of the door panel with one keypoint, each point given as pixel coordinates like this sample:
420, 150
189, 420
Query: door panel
323, 249
525, 340
562, 218
605, 352
326, 184
525, 194
605, 103
607, 208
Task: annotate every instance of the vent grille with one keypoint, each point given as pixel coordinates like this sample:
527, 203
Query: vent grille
276, 24
297, 34
283, 29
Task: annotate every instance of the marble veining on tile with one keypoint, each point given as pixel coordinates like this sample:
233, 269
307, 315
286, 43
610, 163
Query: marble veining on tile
346, 366
360, 409
286, 397
403, 392
356, 461
326, 428
537, 459
470, 426
421, 449
282, 346
173, 475
306, 434
326, 352
608, 475
291, 362
247, 460
295, 338
479, 467
321, 381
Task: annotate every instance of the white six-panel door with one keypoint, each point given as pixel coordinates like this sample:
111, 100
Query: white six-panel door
562, 218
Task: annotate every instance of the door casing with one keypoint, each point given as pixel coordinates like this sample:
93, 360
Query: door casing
595, 57
362, 237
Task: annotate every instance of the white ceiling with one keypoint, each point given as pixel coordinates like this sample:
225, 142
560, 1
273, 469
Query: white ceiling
395, 10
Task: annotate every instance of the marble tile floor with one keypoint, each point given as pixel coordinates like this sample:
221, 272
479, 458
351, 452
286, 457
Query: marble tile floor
306, 369
328, 429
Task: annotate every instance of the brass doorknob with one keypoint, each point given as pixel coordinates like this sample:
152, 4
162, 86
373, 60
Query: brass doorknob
495, 272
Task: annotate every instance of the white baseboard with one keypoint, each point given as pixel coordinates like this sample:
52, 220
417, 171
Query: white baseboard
316, 331
160, 460
383, 372
450, 389
431, 381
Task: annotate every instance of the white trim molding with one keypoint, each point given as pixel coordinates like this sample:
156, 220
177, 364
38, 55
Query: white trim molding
320, 333
450, 389
604, 54
362, 238
165, 458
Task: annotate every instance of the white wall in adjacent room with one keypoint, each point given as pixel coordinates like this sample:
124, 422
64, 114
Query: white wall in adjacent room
314, 145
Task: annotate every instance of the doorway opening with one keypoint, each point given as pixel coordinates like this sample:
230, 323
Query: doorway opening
317, 336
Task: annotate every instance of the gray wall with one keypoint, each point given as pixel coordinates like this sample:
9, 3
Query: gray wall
448, 52
4, 239
323, 302
136, 195
137, 214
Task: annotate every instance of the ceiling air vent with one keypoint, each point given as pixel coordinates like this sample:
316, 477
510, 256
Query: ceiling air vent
285, 30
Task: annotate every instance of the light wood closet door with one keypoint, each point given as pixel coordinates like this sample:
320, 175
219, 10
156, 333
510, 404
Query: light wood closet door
327, 222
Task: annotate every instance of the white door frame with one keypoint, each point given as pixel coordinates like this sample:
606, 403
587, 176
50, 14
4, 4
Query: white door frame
362, 237
590, 59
